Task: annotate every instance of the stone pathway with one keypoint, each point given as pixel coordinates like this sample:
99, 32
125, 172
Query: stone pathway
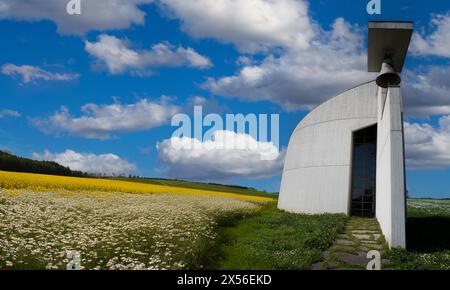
350, 249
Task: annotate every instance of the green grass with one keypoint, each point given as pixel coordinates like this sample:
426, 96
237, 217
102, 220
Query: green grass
273, 239
202, 186
427, 235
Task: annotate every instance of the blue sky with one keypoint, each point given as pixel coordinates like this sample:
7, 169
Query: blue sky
67, 65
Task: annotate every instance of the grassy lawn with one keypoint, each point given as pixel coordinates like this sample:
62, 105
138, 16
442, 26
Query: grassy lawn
428, 236
273, 239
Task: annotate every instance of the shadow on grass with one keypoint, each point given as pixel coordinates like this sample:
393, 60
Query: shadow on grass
428, 234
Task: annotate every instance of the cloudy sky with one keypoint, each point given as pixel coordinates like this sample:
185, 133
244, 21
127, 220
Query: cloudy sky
97, 91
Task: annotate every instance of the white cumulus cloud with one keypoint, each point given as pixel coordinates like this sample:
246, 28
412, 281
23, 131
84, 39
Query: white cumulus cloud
96, 15
108, 164
9, 113
118, 56
302, 78
251, 25
101, 121
227, 155
436, 43
426, 87
426, 91
428, 147
31, 74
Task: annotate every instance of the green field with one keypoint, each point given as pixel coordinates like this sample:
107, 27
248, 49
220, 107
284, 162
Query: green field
202, 186
219, 230
274, 239
427, 235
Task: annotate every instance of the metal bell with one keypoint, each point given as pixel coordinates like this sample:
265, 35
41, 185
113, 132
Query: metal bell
388, 77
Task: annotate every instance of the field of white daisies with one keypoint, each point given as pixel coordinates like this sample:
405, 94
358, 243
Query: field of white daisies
111, 230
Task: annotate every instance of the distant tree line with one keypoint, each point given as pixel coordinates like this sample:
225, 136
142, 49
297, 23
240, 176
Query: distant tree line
234, 186
10, 162
137, 177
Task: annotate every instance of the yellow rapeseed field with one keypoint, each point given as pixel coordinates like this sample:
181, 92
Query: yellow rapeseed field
44, 183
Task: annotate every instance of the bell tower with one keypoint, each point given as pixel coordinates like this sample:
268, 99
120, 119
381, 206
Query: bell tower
387, 50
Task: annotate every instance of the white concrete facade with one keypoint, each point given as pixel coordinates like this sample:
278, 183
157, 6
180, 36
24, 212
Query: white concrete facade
318, 168
390, 206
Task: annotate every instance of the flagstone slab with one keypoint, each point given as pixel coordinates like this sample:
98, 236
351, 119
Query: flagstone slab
349, 251
361, 236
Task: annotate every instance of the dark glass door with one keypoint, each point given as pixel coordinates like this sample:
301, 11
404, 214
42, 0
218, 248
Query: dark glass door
364, 172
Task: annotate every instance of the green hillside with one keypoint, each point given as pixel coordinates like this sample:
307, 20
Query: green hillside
205, 186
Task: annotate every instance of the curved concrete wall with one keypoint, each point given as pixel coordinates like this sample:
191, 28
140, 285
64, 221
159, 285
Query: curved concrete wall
317, 170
